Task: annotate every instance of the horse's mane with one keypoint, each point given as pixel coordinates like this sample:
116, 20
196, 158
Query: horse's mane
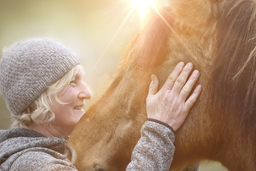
234, 67
233, 72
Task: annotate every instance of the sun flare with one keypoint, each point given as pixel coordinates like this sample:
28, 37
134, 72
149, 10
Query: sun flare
143, 4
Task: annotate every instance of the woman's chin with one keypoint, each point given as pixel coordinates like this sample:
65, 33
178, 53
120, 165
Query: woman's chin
78, 112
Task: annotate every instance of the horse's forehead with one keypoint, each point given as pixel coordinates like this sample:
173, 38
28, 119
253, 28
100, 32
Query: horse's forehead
150, 47
194, 13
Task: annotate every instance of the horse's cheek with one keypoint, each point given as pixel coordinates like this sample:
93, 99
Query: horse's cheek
195, 139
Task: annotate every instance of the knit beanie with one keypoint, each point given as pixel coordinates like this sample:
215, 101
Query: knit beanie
28, 68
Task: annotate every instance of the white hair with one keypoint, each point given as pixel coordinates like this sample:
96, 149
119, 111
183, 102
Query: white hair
40, 110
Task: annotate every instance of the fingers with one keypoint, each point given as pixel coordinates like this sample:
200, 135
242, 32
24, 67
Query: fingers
172, 77
192, 99
181, 80
153, 87
189, 85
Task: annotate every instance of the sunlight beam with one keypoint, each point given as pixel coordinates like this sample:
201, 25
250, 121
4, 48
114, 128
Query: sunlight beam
111, 41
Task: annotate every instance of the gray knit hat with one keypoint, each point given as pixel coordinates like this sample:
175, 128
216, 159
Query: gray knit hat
29, 67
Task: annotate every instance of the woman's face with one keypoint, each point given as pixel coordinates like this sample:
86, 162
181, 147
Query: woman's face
73, 98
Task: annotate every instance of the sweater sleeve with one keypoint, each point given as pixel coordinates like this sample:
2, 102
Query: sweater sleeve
154, 150
38, 160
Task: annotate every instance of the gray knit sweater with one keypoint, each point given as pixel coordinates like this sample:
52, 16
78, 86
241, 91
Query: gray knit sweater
23, 149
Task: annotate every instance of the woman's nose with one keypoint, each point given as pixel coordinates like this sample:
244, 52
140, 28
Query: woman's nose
85, 93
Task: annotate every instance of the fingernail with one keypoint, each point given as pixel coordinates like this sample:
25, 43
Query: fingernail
181, 64
152, 77
199, 88
196, 72
190, 65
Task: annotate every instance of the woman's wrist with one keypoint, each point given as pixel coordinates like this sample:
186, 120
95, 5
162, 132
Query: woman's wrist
162, 123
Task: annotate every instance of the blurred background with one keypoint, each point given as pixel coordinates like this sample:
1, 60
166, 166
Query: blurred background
96, 30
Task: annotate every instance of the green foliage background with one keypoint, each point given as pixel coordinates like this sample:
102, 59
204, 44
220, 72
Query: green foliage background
93, 29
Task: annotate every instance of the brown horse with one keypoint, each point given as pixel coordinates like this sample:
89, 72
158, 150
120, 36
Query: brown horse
219, 37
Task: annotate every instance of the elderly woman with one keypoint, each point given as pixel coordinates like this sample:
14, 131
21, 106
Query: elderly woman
42, 85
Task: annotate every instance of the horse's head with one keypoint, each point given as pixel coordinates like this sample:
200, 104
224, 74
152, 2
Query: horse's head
106, 135
187, 30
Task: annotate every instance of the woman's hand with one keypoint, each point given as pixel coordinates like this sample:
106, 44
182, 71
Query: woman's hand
171, 103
